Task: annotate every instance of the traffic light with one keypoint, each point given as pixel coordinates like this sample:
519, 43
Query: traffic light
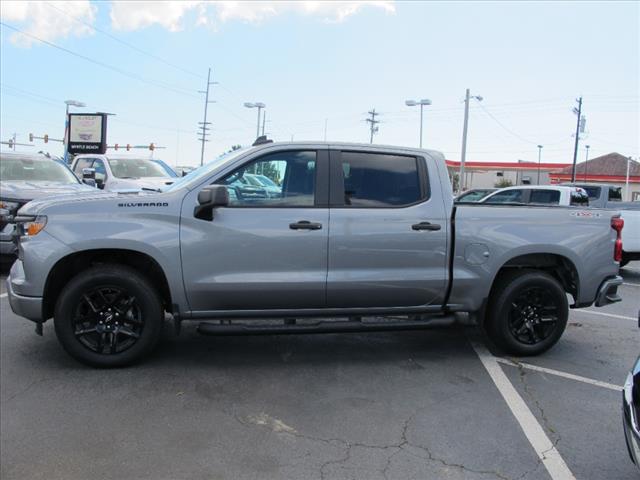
128, 147
152, 147
46, 138
31, 137
116, 147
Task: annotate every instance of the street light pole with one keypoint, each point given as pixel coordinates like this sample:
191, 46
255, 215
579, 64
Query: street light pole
586, 159
259, 106
68, 103
422, 103
463, 155
539, 157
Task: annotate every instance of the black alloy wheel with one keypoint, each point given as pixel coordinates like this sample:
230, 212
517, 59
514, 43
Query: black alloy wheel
108, 320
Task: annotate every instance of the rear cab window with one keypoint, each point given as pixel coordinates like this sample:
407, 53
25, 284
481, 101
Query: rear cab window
376, 180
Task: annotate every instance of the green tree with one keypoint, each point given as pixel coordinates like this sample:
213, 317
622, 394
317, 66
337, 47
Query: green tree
503, 182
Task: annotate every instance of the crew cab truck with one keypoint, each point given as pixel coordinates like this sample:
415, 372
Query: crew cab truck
367, 237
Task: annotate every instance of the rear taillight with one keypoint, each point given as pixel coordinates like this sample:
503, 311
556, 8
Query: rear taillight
617, 224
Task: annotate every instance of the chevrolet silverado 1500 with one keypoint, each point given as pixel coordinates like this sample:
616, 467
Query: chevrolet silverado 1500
360, 237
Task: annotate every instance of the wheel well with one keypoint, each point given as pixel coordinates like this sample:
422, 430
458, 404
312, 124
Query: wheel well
559, 267
69, 266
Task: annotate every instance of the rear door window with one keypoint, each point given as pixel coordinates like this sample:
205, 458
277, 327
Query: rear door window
545, 197
373, 180
507, 196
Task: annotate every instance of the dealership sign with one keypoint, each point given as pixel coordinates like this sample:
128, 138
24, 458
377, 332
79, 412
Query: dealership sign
87, 133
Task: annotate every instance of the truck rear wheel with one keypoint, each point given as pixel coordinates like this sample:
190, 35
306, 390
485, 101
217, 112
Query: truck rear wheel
527, 312
108, 316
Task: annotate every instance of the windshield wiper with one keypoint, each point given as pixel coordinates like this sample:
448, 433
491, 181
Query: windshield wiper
151, 189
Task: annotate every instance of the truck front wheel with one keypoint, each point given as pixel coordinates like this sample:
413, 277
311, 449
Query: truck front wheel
527, 312
108, 316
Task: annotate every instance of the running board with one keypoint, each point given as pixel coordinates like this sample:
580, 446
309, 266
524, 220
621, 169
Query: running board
346, 326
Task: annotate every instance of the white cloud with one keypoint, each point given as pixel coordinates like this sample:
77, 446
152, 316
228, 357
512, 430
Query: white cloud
48, 20
171, 15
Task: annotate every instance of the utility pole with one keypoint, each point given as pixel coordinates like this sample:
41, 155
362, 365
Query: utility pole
15, 135
264, 120
578, 112
204, 125
372, 123
463, 155
539, 157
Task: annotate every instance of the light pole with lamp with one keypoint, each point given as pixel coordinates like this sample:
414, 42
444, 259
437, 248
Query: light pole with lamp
422, 103
539, 157
463, 156
586, 159
259, 106
69, 103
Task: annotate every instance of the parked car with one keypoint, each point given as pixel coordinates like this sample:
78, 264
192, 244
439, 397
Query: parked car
359, 231
539, 195
264, 183
610, 196
170, 171
474, 195
631, 411
122, 173
23, 178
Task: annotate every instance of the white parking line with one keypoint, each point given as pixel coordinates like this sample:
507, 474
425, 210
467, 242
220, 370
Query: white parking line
558, 373
622, 317
3, 295
631, 284
546, 451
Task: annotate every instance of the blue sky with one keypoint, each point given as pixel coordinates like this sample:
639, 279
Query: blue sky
331, 61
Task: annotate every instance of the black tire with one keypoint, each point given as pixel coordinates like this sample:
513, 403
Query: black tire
114, 297
527, 312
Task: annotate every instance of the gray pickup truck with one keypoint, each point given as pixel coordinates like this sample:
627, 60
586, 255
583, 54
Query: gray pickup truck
367, 237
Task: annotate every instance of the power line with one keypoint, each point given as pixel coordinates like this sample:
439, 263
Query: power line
127, 44
179, 90
504, 127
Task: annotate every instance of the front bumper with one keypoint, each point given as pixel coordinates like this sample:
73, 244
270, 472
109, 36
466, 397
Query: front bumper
608, 291
27, 307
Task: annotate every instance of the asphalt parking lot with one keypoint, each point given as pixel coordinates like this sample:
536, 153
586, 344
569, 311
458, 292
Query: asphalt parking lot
430, 404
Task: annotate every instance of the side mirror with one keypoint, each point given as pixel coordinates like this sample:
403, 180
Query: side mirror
89, 176
184, 173
210, 197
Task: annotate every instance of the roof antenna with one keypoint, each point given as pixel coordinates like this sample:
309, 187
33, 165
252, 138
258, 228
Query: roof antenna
261, 140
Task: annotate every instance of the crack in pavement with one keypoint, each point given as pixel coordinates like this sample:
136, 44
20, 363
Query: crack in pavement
398, 447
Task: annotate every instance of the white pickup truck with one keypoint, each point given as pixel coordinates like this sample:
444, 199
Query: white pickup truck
112, 173
602, 195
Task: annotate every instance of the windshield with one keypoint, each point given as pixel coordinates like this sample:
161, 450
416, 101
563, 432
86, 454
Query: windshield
195, 175
135, 168
35, 170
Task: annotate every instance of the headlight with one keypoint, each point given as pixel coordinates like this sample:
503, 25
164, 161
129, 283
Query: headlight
11, 206
35, 226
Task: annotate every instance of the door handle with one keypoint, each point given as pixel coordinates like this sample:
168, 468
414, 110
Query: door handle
425, 226
305, 225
